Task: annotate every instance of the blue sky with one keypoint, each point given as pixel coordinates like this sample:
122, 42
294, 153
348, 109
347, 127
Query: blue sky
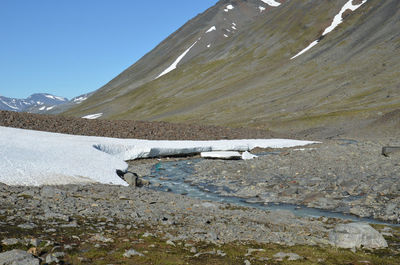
71, 47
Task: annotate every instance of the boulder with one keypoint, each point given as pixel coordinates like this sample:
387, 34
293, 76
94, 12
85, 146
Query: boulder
390, 150
131, 178
17, 257
356, 235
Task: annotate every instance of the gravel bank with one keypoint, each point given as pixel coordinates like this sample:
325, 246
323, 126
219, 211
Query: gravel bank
126, 129
181, 217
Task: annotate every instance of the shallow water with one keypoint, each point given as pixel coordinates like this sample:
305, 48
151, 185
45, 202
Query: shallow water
171, 177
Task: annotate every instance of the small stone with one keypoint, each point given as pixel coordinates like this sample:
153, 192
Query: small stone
247, 262
131, 252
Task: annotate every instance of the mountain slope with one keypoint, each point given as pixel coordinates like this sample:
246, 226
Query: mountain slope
242, 74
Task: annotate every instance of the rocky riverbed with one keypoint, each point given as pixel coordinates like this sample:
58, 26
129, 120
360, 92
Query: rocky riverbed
341, 175
99, 224
346, 176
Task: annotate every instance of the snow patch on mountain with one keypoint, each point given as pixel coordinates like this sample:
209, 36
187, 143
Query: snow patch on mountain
271, 3
55, 97
337, 20
41, 158
93, 116
79, 100
312, 44
175, 64
211, 29
229, 7
261, 8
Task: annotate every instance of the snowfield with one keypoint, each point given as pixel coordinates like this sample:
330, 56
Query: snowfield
41, 158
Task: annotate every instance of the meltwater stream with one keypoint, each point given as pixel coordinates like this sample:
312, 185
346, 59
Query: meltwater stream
170, 177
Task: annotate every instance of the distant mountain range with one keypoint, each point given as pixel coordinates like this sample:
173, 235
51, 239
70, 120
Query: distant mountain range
40, 103
284, 65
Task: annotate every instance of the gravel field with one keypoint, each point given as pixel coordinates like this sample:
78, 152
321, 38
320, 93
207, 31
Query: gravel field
346, 175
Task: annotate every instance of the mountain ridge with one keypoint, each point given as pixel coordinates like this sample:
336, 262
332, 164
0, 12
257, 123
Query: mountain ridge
40, 103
